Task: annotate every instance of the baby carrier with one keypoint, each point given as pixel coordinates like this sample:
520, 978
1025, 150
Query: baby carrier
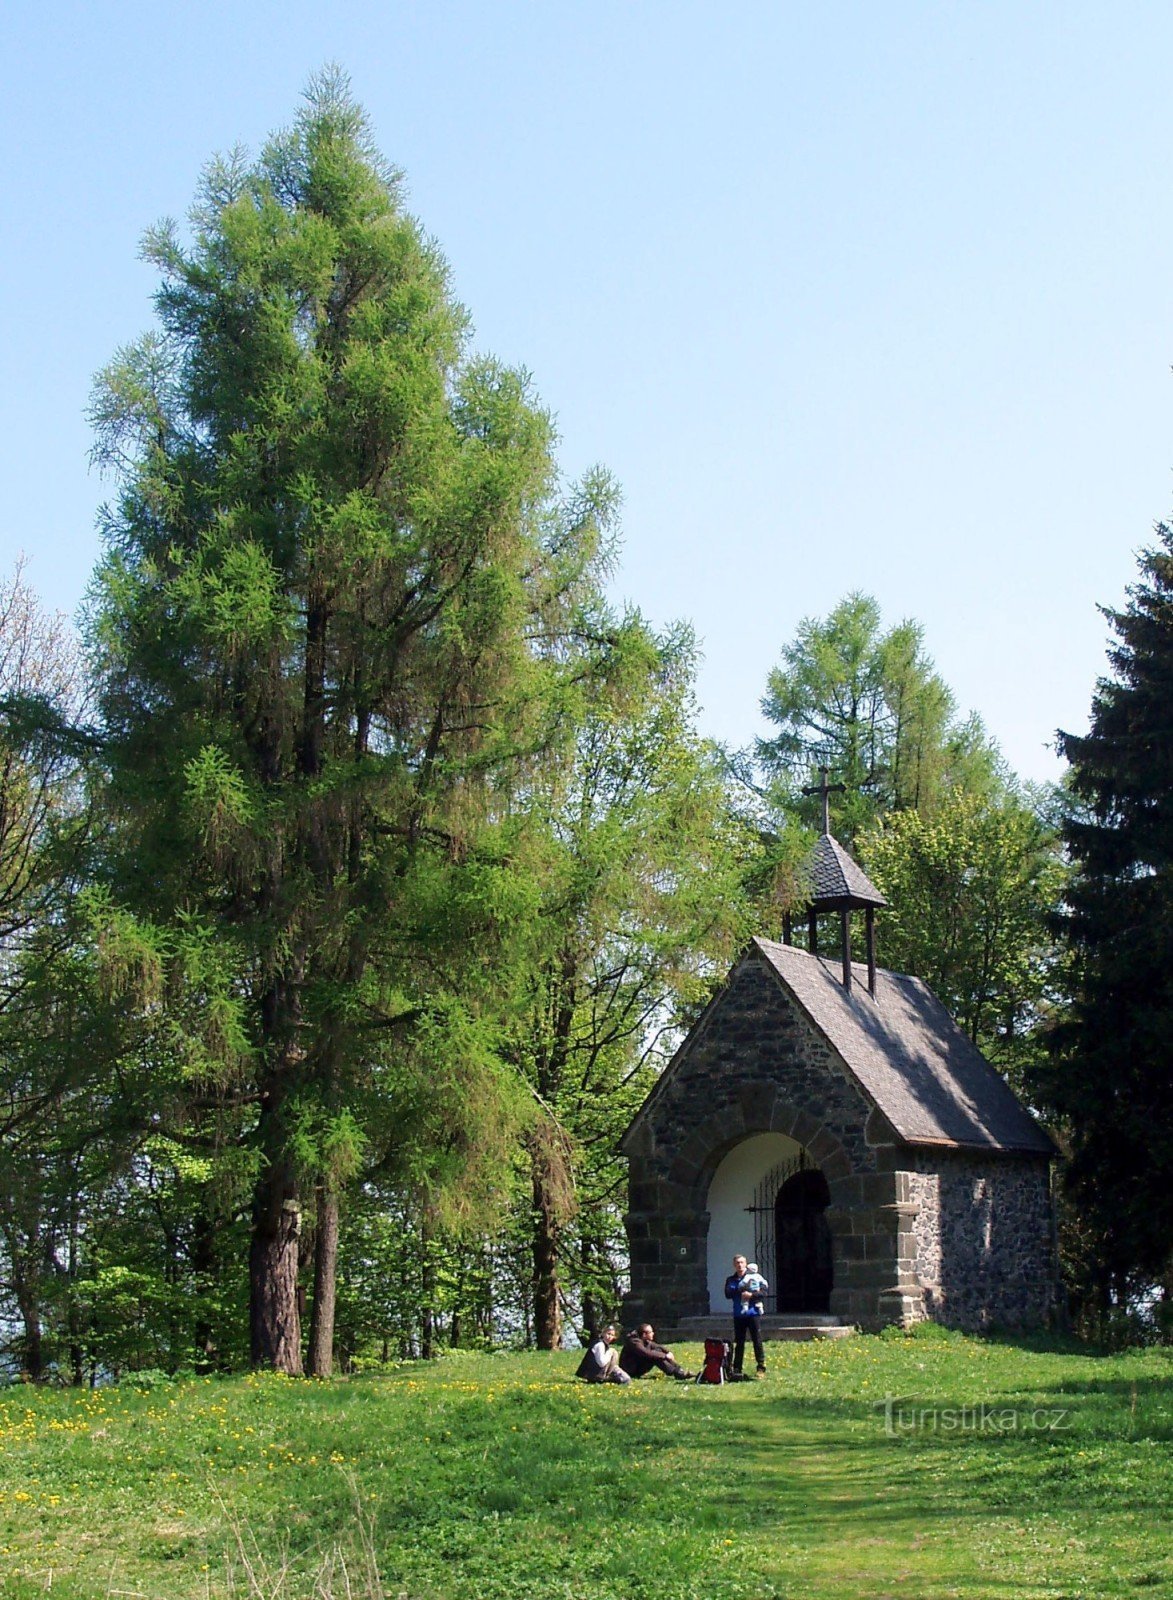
716, 1364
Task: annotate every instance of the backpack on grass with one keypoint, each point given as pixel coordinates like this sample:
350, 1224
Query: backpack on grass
716, 1363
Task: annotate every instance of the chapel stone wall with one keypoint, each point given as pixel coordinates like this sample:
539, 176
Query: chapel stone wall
757, 1065
985, 1243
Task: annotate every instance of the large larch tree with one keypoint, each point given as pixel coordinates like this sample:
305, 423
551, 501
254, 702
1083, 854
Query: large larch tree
344, 596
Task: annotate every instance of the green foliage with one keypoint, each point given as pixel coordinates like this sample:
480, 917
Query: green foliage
408, 1285
971, 889
346, 607
868, 705
640, 909
967, 860
1109, 1081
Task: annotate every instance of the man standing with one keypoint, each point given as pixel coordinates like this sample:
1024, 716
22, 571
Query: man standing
641, 1355
600, 1364
747, 1313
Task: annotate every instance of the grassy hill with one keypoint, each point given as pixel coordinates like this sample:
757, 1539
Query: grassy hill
498, 1476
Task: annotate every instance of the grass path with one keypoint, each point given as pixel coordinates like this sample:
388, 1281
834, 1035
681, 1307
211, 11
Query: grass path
499, 1478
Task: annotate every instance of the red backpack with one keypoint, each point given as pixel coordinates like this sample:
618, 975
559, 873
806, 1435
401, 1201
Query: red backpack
716, 1367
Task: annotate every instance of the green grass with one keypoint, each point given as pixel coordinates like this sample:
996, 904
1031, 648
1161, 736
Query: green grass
499, 1476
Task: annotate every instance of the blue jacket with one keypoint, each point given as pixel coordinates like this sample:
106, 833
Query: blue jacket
733, 1285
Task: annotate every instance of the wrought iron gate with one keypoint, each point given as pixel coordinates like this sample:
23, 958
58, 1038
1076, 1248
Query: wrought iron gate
764, 1214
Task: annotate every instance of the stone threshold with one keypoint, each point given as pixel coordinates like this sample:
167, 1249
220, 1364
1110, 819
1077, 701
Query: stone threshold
797, 1326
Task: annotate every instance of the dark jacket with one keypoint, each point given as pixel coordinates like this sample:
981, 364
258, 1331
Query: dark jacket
639, 1355
733, 1292
590, 1367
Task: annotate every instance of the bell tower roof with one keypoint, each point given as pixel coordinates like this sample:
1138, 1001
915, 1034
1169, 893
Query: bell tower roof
837, 882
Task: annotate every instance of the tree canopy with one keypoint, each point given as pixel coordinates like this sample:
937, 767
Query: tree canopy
971, 891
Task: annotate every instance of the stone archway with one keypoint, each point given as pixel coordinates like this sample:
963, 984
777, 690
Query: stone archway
735, 1151
731, 1204
711, 1142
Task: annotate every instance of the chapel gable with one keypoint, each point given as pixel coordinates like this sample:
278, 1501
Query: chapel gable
829, 1119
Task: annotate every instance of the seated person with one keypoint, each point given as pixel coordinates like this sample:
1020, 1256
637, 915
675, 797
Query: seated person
641, 1355
600, 1364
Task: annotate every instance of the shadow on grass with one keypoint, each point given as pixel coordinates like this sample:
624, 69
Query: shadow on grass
1067, 1345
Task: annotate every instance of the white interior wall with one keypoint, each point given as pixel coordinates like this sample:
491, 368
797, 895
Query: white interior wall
731, 1192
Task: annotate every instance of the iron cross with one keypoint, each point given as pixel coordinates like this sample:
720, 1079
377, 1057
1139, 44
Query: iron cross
826, 790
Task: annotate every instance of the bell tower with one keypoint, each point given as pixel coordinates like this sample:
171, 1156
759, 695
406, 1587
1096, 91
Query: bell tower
838, 884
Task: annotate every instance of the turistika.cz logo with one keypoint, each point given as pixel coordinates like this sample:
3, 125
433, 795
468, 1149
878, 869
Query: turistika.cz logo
902, 1416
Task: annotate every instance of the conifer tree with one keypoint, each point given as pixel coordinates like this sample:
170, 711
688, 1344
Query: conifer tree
342, 598
1111, 1080
868, 704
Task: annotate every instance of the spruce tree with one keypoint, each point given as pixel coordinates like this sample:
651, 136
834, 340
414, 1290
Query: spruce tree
342, 599
1111, 1080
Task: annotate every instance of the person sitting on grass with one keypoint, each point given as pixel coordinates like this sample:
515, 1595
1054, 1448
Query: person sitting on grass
600, 1364
641, 1355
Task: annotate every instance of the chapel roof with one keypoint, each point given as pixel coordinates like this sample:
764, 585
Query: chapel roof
926, 1077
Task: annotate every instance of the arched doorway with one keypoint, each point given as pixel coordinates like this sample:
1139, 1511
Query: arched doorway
740, 1204
802, 1236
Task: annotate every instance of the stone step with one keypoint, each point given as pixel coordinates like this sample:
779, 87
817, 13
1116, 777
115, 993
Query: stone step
796, 1326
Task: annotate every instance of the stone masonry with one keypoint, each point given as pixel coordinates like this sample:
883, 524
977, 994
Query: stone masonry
961, 1237
985, 1243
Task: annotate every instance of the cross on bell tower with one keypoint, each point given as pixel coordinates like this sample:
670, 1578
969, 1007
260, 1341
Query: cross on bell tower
838, 884
826, 790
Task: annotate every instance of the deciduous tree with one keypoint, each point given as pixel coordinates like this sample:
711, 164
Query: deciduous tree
972, 889
641, 906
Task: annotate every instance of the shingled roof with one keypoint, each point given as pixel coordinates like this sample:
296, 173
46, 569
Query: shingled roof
837, 881
930, 1082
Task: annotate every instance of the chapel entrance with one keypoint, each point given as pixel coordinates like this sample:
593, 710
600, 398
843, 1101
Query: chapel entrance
803, 1267
792, 1237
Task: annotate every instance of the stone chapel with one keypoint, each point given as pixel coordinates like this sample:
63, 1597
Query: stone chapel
830, 1121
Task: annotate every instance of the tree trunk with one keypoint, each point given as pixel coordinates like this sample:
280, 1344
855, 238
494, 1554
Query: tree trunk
203, 1266
32, 1361
274, 1316
428, 1288
73, 1313
274, 1310
592, 1312
547, 1310
321, 1363
274, 1322
25, 1261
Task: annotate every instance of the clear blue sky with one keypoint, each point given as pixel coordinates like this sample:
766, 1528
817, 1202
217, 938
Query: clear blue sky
846, 295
